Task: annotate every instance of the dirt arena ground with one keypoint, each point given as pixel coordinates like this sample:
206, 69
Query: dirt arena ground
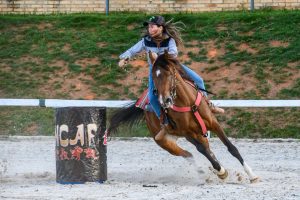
139, 169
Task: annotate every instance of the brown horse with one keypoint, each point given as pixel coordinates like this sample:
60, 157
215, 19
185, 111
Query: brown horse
175, 93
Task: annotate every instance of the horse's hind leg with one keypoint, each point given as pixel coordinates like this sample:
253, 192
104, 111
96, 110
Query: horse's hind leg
203, 147
216, 128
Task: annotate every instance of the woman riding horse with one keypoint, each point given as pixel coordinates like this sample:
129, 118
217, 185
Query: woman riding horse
162, 36
190, 116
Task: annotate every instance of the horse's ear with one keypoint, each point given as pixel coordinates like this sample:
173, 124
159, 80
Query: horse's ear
152, 57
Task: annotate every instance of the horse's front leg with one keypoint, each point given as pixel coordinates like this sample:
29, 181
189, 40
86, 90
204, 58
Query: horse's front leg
203, 147
162, 138
168, 143
216, 128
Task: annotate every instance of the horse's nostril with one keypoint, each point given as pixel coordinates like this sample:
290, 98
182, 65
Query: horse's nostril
169, 100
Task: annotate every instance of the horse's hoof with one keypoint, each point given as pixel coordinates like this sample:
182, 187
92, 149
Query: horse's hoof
224, 175
255, 180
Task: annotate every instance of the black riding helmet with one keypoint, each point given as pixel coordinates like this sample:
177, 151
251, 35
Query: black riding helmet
158, 20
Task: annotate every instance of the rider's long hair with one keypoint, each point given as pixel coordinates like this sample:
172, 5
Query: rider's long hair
173, 29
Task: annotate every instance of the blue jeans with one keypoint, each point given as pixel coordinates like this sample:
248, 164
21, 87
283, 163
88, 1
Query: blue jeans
154, 99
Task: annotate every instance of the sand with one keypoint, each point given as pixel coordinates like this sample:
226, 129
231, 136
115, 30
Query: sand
139, 169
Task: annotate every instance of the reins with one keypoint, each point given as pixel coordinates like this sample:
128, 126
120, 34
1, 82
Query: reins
173, 86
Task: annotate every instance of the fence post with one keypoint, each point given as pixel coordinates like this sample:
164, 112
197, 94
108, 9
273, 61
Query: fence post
107, 7
252, 5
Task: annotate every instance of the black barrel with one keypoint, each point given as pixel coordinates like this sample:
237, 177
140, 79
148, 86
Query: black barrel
80, 145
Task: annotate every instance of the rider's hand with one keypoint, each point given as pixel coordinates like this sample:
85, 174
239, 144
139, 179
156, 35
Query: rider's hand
123, 62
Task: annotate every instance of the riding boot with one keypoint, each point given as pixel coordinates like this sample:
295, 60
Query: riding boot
214, 108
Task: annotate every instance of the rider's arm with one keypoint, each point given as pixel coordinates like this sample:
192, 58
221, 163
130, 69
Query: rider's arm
172, 48
138, 47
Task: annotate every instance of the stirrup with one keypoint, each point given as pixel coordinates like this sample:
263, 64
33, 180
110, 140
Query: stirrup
215, 109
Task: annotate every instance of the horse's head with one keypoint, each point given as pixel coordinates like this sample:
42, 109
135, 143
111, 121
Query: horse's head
164, 78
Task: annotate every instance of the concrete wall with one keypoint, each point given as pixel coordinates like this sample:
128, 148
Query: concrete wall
150, 6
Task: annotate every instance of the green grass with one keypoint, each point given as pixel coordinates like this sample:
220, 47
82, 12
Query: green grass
266, 123
26, 121
291, 93
30, 44
240, 123
44, 37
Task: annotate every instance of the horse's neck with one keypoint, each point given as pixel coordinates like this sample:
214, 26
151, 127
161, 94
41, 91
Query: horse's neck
185, 92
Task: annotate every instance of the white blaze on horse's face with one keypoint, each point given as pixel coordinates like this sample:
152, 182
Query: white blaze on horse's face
158, 73
161, 101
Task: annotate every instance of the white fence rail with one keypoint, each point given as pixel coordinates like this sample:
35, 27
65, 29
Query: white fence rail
55, 103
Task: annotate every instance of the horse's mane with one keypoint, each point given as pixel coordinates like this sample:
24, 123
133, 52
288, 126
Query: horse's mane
165, 60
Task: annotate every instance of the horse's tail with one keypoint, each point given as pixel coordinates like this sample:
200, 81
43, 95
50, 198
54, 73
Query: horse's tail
129, 115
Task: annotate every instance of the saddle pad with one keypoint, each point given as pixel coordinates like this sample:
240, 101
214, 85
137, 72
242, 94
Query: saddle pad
143, 101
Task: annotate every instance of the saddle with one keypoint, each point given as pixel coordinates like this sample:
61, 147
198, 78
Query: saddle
144, 103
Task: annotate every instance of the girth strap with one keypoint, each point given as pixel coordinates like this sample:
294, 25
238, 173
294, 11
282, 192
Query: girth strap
194, 109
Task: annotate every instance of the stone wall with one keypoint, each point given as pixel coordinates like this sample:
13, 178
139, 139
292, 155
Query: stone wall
149, 6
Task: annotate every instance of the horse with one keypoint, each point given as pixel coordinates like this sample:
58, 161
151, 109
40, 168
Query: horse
189, 118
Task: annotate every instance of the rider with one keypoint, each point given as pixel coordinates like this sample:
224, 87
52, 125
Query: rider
161, 36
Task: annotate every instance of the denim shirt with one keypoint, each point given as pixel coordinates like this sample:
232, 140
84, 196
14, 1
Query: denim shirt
147, 45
